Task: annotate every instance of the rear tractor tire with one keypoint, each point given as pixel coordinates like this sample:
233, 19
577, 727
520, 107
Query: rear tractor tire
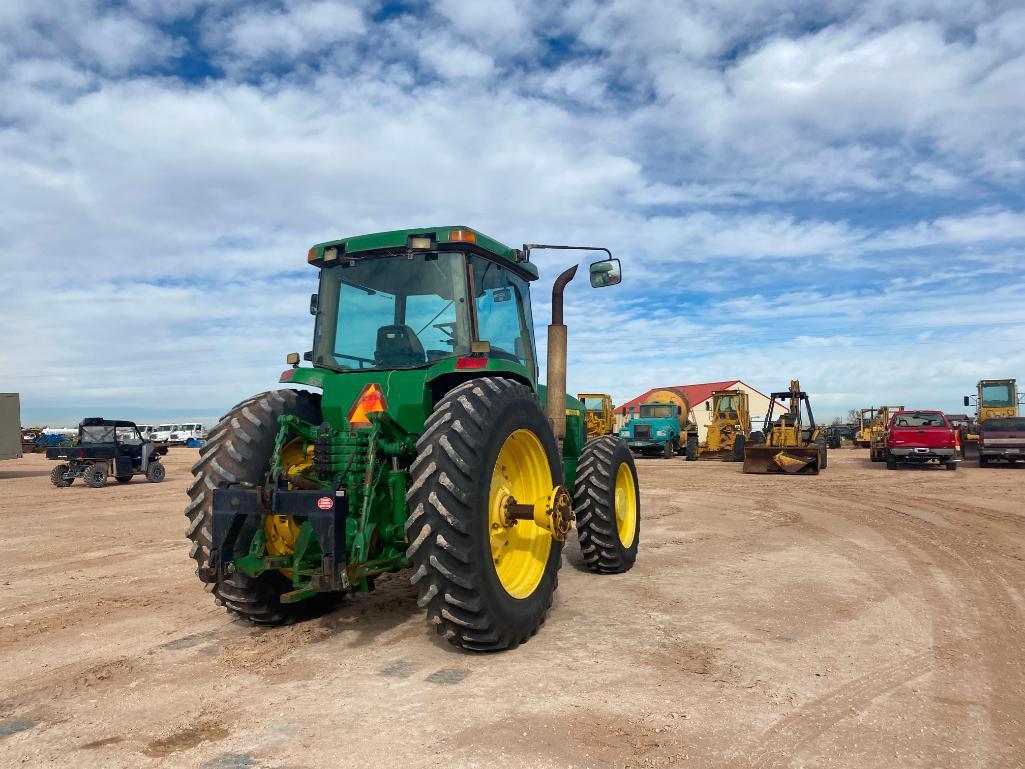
238, 450
95, 476
487, 584
607, 505
57, 477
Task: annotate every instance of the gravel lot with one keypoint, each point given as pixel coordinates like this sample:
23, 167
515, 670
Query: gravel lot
861, 618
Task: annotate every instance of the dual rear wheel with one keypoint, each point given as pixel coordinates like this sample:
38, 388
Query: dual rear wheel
486, 582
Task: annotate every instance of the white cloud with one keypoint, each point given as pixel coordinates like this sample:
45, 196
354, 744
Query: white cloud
303, 26
782, 198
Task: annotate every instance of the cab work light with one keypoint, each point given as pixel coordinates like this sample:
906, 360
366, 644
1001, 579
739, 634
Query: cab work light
370, 400
462, 236
420, 241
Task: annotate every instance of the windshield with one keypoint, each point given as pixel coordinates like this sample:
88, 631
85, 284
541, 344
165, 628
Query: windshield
996, 395
656, 411
165, 428
96, 434
593, 404
392, 312
919, 419
1007, 425
728, 405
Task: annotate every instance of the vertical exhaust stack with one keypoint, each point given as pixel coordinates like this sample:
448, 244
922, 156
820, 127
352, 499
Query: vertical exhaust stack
555, 402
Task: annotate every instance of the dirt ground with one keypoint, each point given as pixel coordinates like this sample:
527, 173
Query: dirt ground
862, 618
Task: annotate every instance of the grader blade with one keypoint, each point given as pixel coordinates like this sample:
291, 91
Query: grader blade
793, 460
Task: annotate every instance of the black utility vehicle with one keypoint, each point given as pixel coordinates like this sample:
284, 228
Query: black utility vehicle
106, 447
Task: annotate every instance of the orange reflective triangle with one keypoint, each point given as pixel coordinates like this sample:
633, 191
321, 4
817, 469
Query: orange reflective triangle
369, 401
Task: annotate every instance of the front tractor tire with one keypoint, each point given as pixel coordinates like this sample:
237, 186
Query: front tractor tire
487, 584
607, 506
238, 450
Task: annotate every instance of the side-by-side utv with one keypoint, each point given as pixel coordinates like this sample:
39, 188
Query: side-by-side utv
106, 447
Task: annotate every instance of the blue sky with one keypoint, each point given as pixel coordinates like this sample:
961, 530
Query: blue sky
831, 191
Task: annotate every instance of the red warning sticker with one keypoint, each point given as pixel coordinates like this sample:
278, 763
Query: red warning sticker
325, 503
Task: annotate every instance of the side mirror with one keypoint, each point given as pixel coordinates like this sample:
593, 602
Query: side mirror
607, 272
966, 401
314, 304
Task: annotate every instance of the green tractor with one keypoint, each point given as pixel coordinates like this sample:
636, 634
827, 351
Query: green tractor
431, 445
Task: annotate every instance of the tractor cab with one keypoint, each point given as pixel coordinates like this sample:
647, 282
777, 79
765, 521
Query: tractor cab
416, 299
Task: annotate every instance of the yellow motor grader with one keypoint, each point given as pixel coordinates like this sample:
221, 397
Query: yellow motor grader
877, 432
728, 429
789, 445
599, 414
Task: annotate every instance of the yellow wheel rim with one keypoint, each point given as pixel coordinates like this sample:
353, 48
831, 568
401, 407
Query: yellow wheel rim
280, 531
519, 552
626, 505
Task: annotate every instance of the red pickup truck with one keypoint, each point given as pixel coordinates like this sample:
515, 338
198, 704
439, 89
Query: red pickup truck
1002, 438
917, 437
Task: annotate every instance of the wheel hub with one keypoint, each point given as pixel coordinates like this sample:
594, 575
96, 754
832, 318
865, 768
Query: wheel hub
553, 512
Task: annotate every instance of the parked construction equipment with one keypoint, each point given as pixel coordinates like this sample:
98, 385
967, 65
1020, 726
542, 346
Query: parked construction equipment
877, 432
662, 425
433, 445
728, 429
791, 445
993, 399
599, 414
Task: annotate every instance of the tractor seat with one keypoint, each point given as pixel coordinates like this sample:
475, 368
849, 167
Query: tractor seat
398, 345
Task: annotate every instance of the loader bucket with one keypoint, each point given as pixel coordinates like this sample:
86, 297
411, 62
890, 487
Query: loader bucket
793, 460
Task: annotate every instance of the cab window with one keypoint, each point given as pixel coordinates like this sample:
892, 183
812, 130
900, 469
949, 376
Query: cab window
503, 312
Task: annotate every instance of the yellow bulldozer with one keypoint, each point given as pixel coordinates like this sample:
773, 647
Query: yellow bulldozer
729, 427
599, 414
788, 445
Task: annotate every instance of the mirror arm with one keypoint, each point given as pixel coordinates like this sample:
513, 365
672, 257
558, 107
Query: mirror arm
527, 247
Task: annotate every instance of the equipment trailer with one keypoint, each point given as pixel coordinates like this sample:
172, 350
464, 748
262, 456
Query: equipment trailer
431, 445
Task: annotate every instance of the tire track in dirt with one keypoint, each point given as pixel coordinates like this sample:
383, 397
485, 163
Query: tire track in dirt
987, 598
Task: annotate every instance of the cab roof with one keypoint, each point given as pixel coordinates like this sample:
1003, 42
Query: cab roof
456, 235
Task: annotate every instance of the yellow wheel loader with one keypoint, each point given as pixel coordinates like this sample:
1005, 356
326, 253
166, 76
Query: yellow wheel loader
729, 427
599, 414
789, 445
